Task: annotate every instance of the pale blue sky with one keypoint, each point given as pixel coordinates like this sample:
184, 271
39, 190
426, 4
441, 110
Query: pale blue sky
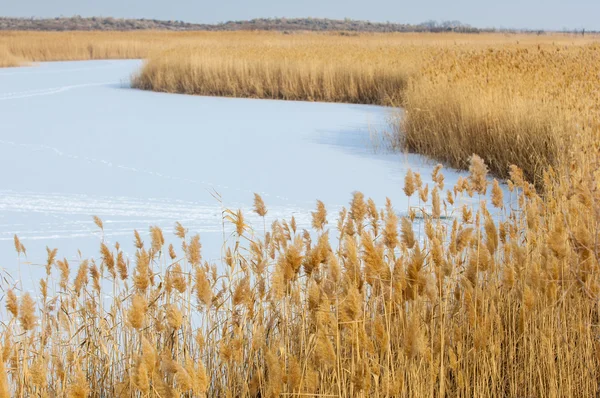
534, 14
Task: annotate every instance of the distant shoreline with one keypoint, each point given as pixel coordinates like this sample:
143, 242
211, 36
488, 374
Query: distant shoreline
284, 25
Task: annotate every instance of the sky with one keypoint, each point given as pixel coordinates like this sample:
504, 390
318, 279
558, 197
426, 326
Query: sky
531, 14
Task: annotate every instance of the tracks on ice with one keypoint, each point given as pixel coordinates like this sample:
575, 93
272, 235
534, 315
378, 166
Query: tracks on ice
49, 91
65, 216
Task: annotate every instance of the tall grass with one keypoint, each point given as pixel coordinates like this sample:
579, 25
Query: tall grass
511, 106
63, 46
493, 303
313, 80
69, 46
373, 69
8, 59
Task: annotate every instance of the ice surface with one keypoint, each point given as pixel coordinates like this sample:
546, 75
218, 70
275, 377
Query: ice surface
76, 141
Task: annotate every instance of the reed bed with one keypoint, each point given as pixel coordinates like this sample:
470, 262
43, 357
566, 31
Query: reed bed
72, 46
64, 46
8, 59
501, 300
301, 67
281, 79
523, 106
368, 68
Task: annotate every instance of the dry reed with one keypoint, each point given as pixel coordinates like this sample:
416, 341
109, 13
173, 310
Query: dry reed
496, 305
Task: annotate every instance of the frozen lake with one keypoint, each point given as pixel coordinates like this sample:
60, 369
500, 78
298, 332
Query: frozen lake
76, 141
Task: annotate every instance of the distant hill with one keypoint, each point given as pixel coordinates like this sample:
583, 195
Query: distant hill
271, 24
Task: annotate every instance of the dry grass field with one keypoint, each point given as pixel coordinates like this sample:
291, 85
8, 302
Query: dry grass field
499, 301
70, 46
8, 59
524, 106
494, 303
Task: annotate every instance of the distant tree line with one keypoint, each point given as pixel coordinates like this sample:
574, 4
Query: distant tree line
285, 25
